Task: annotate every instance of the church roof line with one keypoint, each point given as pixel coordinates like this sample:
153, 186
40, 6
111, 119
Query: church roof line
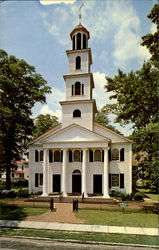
112, 131
46, 133
79, 27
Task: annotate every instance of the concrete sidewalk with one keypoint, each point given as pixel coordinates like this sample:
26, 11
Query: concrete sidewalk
79, 227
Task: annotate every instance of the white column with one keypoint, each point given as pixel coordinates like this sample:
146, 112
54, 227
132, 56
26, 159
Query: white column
63, 189
84, 175
106, 174
45, 171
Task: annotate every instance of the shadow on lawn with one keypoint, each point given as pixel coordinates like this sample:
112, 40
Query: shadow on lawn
12, 212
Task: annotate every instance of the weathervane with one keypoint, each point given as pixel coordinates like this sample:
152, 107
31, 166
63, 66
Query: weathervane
80, 12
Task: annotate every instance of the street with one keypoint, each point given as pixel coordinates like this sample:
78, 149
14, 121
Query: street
27, 244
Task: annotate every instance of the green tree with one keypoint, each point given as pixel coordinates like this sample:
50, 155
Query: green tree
43, 123
20, 88
136, 95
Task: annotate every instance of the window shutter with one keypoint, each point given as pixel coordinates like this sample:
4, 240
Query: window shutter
121, 180
70, 156
36, 180
82, 89
36, 156
50, 156
72, 89
90, 155
109, 154
122, 154
61, 155
81, 155
110, 181
102, 155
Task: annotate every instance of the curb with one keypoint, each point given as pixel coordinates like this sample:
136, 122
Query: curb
81, 242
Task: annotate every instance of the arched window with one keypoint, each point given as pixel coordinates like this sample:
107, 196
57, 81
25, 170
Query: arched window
36, 156
57, 156
97, 155
79, 41
84, 41
77, 156
76, 113
115, 154
78, 62
50, 156
77, 88
73, 42
41, 155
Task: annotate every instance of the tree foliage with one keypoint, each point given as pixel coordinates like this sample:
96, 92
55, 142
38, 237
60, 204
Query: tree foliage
136, 95
43, 123
20, 88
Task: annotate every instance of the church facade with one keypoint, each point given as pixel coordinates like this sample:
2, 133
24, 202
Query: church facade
80, 156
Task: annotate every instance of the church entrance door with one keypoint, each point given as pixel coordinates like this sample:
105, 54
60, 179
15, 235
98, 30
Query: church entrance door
97, 184
56, 183
76, 182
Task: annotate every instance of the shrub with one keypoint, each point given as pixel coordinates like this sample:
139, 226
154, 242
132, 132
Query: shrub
138, 196
115, 193
8, 194
23, 193
127, 197
20, 183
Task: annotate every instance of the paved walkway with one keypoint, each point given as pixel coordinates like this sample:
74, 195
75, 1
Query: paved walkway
79, 227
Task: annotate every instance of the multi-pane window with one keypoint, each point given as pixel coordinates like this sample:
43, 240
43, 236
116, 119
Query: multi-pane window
115, 154
115, 180
57, 157
97, 155
77, 156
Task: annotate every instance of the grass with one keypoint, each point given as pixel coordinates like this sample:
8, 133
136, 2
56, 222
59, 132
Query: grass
118, 218
83, 236
148, 193
11, 212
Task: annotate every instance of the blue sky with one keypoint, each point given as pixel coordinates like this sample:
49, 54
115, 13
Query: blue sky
38, 32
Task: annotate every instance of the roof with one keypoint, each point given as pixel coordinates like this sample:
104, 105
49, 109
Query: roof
112, 131
79, 27
46, 133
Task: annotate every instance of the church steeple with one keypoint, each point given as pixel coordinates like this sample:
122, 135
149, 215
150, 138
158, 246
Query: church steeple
79, 107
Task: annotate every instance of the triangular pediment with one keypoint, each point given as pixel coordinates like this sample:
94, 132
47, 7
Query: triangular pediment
74, 133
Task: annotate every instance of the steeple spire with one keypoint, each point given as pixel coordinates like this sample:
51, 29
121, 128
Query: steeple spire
80, 16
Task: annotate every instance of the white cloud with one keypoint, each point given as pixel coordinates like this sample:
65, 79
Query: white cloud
48, 2
99, 93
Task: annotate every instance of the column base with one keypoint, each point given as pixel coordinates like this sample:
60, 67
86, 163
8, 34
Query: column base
85, 195
64, 194
44, 194
106, 196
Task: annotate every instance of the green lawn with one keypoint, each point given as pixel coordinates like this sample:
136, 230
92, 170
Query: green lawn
83, 236
148, 193
19, 213
118, 218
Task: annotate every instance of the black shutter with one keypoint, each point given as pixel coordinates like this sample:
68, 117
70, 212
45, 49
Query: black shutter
109, 154
36, 156
82, 89
72, 89
70, 156
90, 155
122, 154
36, 180
110, 181
81, 155
121, 180
50, 156
102, 155
61, 155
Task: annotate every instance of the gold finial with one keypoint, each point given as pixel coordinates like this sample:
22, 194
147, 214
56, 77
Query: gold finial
80, 12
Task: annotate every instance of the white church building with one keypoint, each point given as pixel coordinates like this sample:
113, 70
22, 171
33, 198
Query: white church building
80, 156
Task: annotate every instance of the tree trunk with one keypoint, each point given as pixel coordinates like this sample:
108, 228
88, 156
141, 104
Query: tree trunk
8, 179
